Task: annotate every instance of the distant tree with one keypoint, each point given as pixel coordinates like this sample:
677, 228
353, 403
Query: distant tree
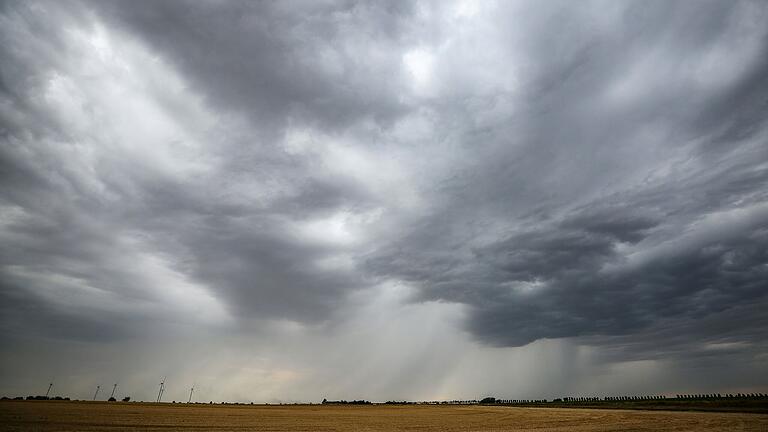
111, 399
127, 399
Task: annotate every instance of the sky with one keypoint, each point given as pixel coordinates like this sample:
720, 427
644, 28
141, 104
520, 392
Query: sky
296, 200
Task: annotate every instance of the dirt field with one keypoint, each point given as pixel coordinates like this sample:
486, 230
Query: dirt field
93, 416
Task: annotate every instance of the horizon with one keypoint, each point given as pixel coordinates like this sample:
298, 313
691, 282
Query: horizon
487, 399
406, 200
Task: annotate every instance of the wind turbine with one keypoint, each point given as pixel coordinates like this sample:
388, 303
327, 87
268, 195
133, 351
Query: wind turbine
162, 388
97, 392
190, 393
50, 386
114, 387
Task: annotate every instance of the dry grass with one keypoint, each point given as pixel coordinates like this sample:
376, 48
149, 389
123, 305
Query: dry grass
93, 416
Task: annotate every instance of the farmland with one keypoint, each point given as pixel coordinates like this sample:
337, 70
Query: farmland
93, 416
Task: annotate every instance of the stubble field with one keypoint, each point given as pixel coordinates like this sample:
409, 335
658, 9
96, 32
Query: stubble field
95, 416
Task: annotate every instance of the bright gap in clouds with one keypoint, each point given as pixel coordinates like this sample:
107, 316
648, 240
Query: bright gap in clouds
419, 63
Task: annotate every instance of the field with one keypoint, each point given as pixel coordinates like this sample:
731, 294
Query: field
743, 405
100, 416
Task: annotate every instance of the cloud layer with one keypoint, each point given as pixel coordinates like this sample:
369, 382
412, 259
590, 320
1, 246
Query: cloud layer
558, 177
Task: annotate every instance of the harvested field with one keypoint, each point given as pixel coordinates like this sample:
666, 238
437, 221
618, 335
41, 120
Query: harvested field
100, 416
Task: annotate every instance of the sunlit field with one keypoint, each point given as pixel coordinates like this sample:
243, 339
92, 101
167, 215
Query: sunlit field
93, 416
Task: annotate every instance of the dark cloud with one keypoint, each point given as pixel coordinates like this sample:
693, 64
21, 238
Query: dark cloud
580, 296
91, 223
592, 172
583, 197
279, 61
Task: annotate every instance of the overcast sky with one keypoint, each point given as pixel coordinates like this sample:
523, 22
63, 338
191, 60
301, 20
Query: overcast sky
286, 201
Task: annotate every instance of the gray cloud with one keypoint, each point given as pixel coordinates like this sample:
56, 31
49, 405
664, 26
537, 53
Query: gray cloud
595, 182
240, 247
591, 172
278, 62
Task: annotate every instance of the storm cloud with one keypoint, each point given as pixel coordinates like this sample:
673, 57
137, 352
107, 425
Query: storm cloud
290, 181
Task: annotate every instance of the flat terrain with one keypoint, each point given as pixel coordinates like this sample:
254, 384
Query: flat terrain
101, 416
742, 405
